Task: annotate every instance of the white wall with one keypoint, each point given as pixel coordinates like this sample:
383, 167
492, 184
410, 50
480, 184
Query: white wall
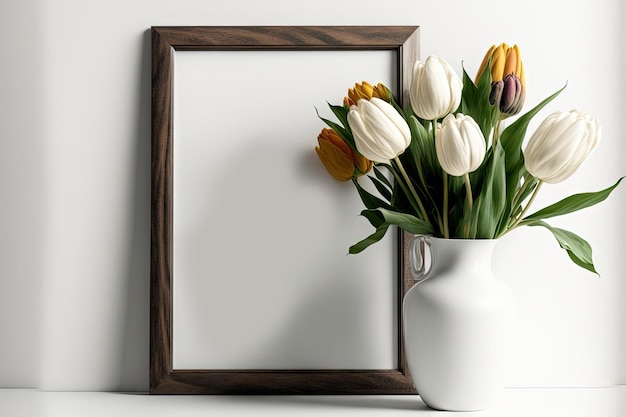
622, 68
22, 187
74, 112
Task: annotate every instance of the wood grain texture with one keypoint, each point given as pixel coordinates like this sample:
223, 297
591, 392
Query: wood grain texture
285, 382
161, 216
403, 40
286, 37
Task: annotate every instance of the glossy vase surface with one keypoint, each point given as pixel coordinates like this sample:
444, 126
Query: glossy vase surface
456, 324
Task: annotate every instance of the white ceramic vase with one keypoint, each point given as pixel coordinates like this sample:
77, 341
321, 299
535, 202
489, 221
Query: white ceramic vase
456, 324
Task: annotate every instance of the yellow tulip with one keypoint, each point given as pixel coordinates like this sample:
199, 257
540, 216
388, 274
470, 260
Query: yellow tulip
366, 91
508, 82
341, 162
505, 60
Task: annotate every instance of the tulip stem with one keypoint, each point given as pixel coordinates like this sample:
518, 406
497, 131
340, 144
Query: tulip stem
520, 191
468, 189
516, 198
496, 134
470, 200
523, 213
421, 176
446, 227
413, 192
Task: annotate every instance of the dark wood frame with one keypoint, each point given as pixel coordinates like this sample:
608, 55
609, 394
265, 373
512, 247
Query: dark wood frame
404, 40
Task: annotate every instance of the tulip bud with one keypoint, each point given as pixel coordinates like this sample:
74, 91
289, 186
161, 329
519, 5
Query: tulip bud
341, 162
560, 144
366, 91
380, 133
508, 83
460, 145
509, 94
435, 89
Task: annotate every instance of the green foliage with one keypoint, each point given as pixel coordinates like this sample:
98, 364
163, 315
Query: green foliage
571, 204
577, 248
486, 204
370, 240
512, 138
343, 130
491, 200
369, 200
475, 102
382, 218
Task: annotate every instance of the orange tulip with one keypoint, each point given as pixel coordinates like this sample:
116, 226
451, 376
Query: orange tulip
366, 91
340, 160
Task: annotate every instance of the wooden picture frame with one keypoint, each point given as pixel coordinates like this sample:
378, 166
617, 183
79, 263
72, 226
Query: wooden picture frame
164, 379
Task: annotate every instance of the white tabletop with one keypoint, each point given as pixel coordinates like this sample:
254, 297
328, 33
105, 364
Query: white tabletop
527, 402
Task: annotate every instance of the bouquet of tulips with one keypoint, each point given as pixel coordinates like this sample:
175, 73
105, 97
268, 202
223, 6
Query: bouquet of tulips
454, 169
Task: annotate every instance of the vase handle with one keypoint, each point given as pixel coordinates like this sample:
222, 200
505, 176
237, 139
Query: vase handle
420, 269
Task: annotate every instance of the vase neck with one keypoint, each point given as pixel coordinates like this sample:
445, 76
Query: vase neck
467, 254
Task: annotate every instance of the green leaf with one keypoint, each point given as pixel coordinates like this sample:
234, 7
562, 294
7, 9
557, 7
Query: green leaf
382, 177
577, 248
381, 187
341, 131
572, 203
374, 217
371, 239
422, 149
369, 200
400, 182
491, 200
513, 136
342, 114
515, 196
421, 162
475, 102
404, 221
382, 219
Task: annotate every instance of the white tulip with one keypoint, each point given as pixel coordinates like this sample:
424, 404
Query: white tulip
560, 144
460, 145
380, 133
435, 89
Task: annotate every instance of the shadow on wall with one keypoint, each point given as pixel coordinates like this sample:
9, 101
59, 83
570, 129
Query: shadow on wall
134, 347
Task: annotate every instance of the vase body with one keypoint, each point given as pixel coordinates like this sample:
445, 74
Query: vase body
456, 324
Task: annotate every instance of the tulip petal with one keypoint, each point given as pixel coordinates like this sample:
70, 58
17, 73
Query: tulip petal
435, 89
483, 64
495, 94
337, 163
335, 139
560, 144
459, 144
512, 98
380, 133
395, 118
498, 61
511, 62
382, 130
362, 138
